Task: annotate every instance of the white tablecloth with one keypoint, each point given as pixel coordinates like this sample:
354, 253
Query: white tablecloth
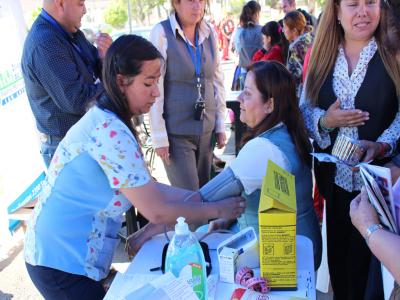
150, 254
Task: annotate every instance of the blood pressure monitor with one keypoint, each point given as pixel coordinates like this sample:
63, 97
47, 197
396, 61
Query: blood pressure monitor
246, 243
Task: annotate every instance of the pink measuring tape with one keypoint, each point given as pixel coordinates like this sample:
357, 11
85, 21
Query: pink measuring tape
245, 277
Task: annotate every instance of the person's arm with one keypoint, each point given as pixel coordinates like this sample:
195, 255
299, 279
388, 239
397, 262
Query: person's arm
383, 244
176, 194
394, 167
273, 55
220, 94
392, 134
311, 115
155, 207
57, 72
386, 247
157, 123
333, 117
152, 203
103, 42
129, 174
259, 55
135, 241
255, 154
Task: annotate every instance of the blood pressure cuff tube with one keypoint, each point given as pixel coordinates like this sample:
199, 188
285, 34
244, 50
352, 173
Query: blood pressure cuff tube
223, 186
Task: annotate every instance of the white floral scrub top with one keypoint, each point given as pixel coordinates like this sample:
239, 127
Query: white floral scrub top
74, 226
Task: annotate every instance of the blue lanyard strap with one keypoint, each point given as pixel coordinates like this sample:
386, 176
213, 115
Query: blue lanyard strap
197, 62
68, 38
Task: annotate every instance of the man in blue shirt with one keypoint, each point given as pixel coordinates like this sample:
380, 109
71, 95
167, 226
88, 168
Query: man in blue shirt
59, 81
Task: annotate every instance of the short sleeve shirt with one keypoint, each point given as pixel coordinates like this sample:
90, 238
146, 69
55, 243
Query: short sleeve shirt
250, 166
74, 226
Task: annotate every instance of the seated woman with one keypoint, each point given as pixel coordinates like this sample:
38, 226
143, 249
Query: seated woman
269, 106
272, 50
97, 173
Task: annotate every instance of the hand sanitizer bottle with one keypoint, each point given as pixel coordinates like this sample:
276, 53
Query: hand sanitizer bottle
185, 258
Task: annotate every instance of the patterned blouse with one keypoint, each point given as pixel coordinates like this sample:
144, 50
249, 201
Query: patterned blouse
74, 226
346, 89
296, 55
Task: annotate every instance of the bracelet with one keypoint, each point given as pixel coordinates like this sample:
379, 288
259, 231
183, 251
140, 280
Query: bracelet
383, 150
323, 125
371, 230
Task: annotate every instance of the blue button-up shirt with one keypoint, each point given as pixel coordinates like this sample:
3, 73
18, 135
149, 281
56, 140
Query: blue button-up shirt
58, 83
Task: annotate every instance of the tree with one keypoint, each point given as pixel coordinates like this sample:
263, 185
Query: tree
141, 9
311, 6
321, 4
116, 14
35, 13
235, 6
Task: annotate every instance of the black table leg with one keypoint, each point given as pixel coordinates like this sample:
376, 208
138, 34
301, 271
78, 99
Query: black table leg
131, 221
240, 128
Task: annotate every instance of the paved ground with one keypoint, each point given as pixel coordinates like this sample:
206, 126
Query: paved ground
14, 281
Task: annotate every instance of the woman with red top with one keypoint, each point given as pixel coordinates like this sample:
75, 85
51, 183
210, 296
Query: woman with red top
272, 49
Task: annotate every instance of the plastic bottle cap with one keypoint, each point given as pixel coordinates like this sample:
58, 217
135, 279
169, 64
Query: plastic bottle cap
181, 227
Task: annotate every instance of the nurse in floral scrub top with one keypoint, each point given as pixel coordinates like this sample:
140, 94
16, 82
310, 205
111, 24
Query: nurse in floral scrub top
99, 172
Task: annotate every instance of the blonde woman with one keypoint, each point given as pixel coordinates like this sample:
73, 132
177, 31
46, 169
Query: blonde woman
352, 88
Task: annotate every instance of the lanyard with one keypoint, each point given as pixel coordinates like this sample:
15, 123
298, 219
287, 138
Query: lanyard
197, 62
79, 50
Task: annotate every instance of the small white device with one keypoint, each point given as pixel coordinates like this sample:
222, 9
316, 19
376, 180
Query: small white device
228, 264
247, 245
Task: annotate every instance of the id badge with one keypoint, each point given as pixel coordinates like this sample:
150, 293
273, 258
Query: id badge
199, 109
97, 81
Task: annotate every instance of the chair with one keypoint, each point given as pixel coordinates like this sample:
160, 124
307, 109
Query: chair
130, 223
147, 144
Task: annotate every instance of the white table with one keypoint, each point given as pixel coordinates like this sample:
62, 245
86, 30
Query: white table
149, 257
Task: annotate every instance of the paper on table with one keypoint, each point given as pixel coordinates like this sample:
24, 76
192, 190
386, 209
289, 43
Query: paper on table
146, 290
324, 157
212, 280
124, 284
177, 289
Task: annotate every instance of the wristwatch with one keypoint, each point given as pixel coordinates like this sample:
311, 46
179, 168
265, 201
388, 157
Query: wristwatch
371, 230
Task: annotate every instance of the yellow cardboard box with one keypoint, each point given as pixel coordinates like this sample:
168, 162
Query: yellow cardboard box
277, 220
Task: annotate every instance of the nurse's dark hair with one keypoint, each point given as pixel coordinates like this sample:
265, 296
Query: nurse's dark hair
125, 56
273, 80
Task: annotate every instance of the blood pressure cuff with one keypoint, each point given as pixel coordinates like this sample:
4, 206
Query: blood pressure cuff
223, 186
